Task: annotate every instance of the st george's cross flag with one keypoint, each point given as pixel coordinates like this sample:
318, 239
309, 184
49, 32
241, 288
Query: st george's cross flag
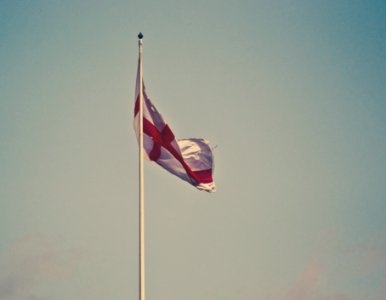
189, 159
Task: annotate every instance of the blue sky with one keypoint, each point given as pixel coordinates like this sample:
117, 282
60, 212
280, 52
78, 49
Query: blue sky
292, 94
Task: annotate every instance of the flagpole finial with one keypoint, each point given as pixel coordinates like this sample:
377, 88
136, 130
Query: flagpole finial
140, 35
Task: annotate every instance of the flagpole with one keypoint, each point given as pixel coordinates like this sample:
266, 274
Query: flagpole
141, 182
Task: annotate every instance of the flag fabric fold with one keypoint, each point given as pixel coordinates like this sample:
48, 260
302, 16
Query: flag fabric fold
189, 159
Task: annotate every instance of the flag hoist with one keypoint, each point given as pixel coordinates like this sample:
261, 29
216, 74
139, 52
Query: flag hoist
189, 159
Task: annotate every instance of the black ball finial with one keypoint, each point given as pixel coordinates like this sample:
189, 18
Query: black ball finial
140, 35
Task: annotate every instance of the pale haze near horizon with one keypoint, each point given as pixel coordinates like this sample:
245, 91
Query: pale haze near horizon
292, 96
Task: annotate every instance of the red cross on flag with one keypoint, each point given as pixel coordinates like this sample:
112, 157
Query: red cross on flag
189, 159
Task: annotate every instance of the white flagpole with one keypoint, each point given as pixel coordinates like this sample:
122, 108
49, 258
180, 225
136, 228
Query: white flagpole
141, 182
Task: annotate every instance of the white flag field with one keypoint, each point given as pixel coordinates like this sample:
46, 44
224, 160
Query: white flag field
189, 159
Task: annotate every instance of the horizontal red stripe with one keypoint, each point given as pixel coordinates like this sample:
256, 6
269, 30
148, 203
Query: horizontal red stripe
136, 106
205, 176
153, 132
164, 139
167, 134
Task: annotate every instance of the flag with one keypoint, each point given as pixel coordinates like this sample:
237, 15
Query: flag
189, 159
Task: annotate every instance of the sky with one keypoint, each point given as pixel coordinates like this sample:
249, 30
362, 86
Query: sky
292, 96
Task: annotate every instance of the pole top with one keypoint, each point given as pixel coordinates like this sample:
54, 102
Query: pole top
140, 35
